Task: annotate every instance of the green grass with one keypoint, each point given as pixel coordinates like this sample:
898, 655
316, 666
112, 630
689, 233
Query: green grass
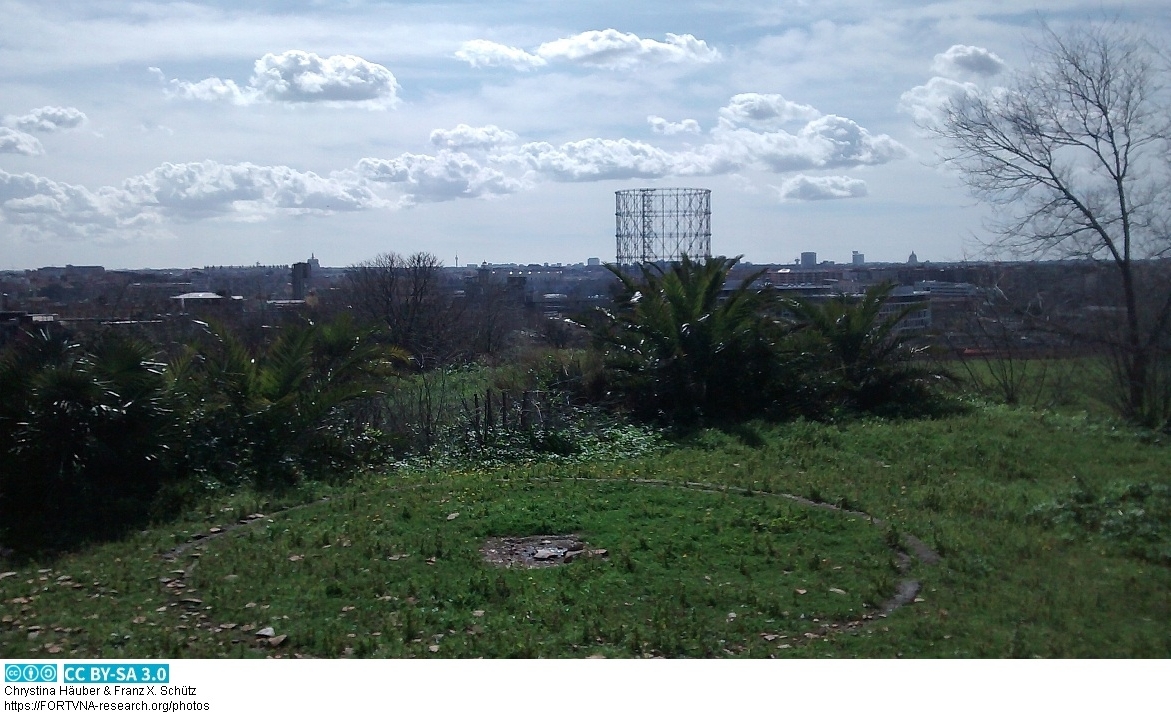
1070, 385
1019, 504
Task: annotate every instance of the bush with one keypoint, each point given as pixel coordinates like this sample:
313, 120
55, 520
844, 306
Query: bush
852, 357
86, 435
677, 349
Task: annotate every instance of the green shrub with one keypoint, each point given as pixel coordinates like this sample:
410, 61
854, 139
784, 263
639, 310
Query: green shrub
677, 349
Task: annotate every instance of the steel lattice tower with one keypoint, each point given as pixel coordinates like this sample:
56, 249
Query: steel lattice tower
663, 224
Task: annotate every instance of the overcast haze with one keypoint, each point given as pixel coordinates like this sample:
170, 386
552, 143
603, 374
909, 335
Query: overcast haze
154, 134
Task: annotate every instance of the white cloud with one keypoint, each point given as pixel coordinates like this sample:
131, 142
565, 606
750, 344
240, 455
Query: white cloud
820, 188
608, 49
185, 192
212, 89
47, 119
301, 77
960, 61
197, 191
659, 125
18, 142
826, 142
39, 207
765, 111
485, 53
208, 188
612, 49
444, 177
296, 76
598, 160
927, 102
464, 137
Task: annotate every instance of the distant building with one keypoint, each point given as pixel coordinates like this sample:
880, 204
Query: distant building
301, 273
809, 260
857, 258
593, 262
917, 303
913, 260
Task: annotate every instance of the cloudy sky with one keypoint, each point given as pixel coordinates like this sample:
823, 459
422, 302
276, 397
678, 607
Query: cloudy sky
173, 134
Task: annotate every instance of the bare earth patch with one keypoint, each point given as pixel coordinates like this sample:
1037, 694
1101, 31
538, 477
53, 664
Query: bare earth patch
540, 551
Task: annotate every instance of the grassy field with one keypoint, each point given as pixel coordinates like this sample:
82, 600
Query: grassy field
1052, 532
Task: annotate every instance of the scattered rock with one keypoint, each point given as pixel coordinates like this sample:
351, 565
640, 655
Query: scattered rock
266, 632
453, 516
9, 574
536, 551
215, 529
839, 591
277, 641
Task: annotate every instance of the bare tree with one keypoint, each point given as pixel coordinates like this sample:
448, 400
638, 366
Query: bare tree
1075, 155
435, 319
407, 295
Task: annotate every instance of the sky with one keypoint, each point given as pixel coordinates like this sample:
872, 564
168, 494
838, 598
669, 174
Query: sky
181, 134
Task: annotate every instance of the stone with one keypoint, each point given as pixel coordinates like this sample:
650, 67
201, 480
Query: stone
266, 632
277, 641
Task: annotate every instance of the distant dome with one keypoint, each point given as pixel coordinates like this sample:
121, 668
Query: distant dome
913, 260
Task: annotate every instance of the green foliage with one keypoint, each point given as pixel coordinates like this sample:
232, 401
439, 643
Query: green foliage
85, 434
583, 435
853, 357
273, 413
676, 349
1133, 516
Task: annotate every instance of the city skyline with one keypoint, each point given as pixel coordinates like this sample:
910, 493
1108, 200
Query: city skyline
153, 134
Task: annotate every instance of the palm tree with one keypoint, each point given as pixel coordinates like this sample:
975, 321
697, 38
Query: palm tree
864, 360
283, 407
84, 435
678, 347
